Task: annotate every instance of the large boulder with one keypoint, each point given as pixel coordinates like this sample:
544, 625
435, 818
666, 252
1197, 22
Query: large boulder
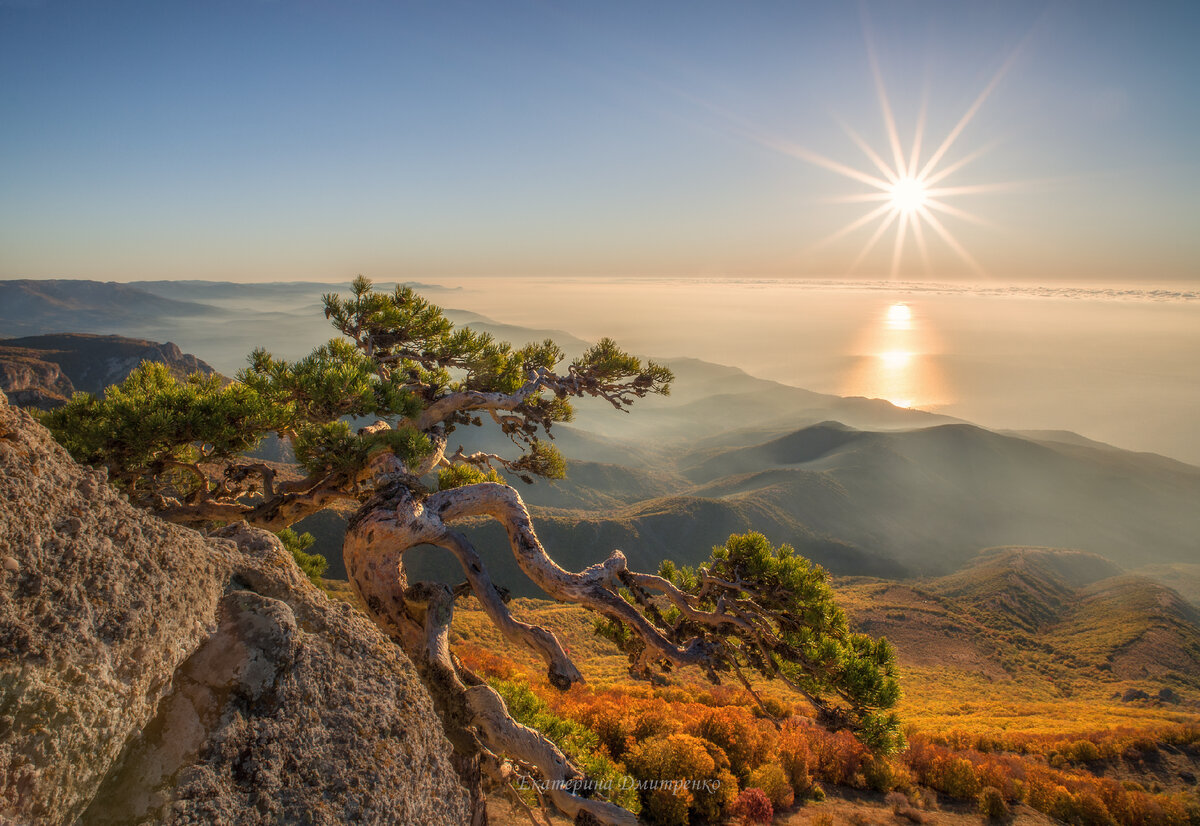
149, 674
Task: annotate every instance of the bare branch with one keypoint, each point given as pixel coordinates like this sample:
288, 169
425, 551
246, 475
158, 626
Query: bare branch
593, 588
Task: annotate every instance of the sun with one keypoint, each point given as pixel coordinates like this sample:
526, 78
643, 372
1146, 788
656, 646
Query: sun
908, 188
908, 195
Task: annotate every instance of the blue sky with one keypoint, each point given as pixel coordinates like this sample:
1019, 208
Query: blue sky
254, 140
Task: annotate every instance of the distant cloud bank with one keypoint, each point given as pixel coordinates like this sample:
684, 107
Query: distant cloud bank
1115, 293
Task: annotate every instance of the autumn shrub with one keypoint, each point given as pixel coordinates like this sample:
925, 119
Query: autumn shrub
487, 661
1003, 772
901, 806
897, 801
1083, 751
653, 721
576, 741
793, 755
773, 780
611, 715
678, 769
880, 774
992, 804
837, 756
753, 806
1087, 809
668, 806
745, 739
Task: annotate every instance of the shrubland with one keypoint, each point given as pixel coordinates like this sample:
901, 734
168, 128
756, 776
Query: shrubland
1074, 759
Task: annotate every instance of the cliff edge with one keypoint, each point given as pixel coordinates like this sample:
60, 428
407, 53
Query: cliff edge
149, 674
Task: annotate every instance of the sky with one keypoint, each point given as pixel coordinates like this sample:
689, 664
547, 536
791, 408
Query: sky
252, 140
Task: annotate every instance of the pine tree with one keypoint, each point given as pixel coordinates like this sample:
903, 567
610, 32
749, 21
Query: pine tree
179, 448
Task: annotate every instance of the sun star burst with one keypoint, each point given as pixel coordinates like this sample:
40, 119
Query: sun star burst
908, 193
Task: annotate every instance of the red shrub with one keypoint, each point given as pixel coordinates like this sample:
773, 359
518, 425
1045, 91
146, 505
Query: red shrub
753, 806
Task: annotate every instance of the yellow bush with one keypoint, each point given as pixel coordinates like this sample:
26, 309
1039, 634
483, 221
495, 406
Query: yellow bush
668, 766
773, 780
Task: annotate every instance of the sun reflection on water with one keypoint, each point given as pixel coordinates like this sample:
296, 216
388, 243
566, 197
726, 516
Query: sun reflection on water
895, 361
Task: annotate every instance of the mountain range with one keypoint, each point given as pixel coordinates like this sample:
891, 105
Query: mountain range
859, 485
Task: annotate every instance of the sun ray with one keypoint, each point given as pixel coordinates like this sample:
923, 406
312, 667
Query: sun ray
859, 198
972, 109
797, 151
884, 106
874, 239
950, 240
980, 189
909, 192
958, 213
920, 132
898, 250
852, 226
919, 237
947, 171
869, 152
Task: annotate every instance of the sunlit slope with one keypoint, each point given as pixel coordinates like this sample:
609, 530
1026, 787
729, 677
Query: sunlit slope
1015, 640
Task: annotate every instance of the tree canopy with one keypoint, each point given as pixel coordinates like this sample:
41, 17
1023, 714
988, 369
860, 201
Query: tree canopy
180, 448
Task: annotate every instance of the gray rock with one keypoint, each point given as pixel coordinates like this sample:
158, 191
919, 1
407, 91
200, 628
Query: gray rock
149, 674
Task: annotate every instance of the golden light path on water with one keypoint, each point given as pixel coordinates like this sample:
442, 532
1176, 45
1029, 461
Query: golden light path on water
896, 360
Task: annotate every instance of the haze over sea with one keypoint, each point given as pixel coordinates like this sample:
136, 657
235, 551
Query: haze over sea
1116, 364
1119, 365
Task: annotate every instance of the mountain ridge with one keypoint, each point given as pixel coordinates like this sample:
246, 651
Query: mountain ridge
44, 370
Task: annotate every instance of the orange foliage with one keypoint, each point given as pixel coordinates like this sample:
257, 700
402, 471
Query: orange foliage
716, 733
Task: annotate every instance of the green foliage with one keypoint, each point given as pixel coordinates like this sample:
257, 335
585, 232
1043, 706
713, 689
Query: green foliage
608, 362
801, 629
458, 475
541, 459
177, 446
333, 447
335, 380
313, 565
151, 423
577, 742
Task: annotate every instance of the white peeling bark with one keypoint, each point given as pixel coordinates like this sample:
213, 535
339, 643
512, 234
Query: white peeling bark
594, 588
404, 523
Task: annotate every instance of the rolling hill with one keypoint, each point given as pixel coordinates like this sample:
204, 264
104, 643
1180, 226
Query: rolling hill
886, 504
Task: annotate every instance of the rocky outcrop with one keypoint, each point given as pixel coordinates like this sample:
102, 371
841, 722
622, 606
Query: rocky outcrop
149, 674
30, 381
87, 362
